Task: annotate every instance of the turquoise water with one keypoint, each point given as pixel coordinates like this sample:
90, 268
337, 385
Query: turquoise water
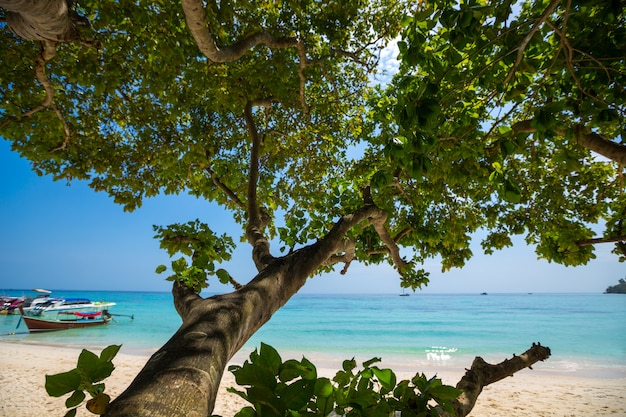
586, 332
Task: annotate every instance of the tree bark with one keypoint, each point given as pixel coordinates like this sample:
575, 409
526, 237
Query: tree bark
482, 374
39, 20
196, 18
182, 378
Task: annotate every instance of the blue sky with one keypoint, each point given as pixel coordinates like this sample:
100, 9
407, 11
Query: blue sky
68, 237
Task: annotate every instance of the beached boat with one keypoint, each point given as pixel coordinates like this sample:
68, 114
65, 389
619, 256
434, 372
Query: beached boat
67, 320
9, 305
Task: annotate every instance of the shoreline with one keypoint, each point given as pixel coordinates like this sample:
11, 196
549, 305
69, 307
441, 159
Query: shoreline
556, 365
529, 393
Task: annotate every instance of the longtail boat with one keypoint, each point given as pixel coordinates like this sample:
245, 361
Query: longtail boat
67, 320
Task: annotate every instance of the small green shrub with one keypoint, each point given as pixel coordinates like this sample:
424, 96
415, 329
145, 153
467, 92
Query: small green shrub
293, 389
90, 370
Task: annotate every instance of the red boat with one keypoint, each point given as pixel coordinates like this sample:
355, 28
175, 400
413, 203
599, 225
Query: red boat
67, 320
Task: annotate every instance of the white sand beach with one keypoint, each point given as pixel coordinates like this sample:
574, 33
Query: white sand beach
529, 393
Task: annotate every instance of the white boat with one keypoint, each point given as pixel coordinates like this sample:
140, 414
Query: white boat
47, 304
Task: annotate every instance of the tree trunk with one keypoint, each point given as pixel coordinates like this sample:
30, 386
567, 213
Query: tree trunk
39, 20
182, 378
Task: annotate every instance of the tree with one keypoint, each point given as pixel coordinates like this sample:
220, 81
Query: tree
268, 110
619, 288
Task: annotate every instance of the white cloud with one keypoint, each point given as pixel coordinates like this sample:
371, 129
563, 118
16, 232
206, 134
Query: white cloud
388, 64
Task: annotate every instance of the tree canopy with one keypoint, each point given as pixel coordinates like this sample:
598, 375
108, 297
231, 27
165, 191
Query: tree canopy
505, 118
487, 125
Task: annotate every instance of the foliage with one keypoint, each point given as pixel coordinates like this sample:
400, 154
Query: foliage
620, 288
196, 241
90, 370
292, 388
477, 134
489, 107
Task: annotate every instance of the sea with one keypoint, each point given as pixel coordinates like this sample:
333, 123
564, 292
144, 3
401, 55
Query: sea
585, 332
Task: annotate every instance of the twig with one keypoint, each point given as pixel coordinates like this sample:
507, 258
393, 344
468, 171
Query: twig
520, 51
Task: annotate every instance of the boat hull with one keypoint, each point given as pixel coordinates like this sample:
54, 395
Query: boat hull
41, 325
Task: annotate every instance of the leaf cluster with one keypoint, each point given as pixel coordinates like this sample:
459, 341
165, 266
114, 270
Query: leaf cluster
471, 74
90, 370
201, 251
292, 388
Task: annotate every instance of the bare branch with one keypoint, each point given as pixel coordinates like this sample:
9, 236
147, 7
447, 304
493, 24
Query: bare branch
236, 285
394, 250
482, 374
197, 21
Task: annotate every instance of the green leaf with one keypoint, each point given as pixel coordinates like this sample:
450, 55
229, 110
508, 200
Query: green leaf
323, 387
223, 276
246, 412
349, 365
75, 399
109, 352
298, 394
444, 392
160, 269
269, 358
95, 368
71, 413
386, 377
60, 384
370, 362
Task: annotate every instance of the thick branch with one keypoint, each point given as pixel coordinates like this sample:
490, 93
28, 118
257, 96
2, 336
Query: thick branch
345, 254
256, 219
592, 141
595, 241
184, 299
197, 21
38, 20
482, 374
394, 250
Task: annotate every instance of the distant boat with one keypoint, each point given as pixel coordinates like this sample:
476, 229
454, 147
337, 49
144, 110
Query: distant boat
483, 293
66, 320
404, 294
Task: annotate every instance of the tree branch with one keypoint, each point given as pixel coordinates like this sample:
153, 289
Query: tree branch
257, 219
345, 254
592, 141
38, 20
48, 50
184, 299
197, 22
227, 191
482, 374
595, 241
520, 51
